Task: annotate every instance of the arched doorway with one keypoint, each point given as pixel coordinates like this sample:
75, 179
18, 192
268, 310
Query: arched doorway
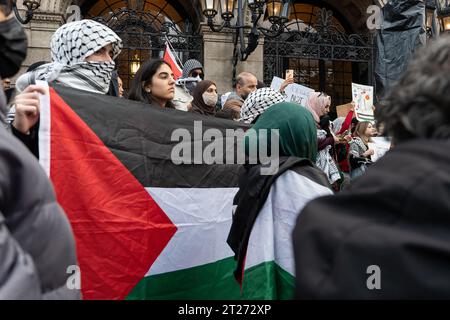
319, 45
144, 27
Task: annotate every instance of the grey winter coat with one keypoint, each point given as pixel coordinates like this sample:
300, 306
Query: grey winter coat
37, 246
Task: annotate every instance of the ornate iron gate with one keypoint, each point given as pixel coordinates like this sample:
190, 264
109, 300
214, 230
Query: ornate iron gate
144, 37
324, 57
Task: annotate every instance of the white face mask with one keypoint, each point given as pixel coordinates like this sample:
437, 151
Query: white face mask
210, 99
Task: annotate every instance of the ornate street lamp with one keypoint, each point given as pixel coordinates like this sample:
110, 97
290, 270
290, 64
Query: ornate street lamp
444, 15
32, 5
277, 11
135, 65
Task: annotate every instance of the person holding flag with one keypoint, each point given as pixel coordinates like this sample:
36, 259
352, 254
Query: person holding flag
83, 54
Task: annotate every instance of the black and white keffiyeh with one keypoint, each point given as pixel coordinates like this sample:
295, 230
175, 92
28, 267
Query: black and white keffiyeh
70, 45
259, 101
325, 161
357, 147
190, 65
75, 41
89, 76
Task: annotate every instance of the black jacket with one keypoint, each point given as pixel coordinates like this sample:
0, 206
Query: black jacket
395, 217
253, 191
13, 47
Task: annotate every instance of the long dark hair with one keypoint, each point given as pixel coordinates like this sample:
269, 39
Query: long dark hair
144, 77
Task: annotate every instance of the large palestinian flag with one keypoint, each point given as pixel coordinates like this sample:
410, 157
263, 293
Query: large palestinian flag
145, 227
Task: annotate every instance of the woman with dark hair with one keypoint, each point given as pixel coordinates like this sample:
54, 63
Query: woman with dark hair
205, 98
359, 153
154, 84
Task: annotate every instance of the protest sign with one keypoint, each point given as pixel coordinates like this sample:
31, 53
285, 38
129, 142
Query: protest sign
380, 146
295, 93
363, 99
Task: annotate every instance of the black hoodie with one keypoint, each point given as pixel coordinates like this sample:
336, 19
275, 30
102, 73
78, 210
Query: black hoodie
390, 229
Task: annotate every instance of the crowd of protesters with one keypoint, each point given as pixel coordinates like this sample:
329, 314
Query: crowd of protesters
90, 67
391, 196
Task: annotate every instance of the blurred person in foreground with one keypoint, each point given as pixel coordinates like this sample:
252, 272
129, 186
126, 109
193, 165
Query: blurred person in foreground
386, 236
37, 247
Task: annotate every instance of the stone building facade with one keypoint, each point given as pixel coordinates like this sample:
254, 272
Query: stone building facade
215, 49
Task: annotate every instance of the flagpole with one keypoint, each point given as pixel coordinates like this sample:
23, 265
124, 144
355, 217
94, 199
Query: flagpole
173, 50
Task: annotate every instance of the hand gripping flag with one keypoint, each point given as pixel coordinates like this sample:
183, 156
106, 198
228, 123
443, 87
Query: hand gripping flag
170, 58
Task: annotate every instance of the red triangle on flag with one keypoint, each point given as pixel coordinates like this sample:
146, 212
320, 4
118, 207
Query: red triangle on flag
170, 58
119, 229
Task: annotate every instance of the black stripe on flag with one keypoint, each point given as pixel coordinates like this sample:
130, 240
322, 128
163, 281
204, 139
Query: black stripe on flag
139, 135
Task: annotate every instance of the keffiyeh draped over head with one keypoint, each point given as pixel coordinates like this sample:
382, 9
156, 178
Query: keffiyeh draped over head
317, 102
70, 45
259, 101
75, 41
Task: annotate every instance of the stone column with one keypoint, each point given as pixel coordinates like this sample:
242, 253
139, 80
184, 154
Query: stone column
39, 31
218, 59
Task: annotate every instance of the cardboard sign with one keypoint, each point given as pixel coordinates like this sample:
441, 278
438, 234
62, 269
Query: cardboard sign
343, 109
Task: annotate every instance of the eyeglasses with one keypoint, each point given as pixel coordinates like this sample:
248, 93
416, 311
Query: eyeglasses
196, 74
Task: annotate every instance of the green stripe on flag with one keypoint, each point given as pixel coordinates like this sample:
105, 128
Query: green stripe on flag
215, 281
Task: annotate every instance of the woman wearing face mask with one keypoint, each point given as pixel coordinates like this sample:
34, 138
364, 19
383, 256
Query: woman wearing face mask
82, 58
205, 98
154, 84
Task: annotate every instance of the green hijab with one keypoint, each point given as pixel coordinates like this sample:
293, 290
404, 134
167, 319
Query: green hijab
297, 130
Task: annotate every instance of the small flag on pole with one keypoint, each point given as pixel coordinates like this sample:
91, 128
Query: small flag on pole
170, 58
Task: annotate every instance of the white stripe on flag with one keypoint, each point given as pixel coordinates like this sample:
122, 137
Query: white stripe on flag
173, 58
44, 128
203, 217
271, 237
